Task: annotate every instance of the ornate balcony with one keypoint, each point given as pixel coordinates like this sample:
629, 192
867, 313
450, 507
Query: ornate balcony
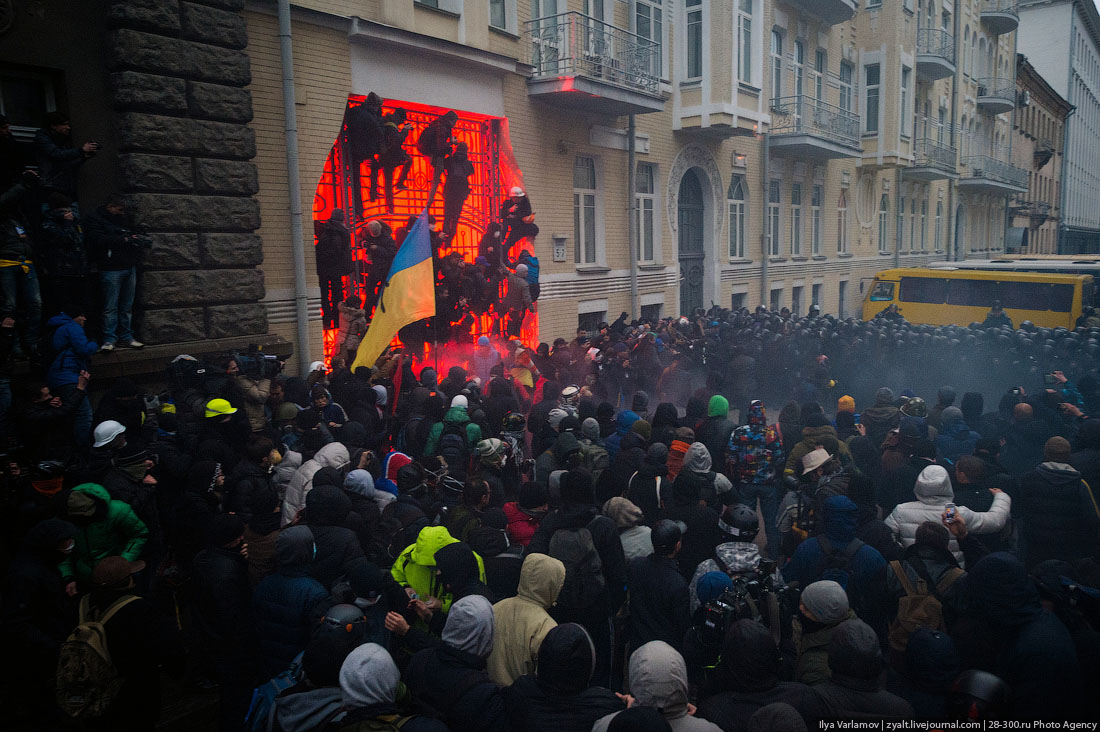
585, 64
985, 174
1037, 211
1000, 16
932, 160
805, 127
831, 11
1044, 151
996, 94
935, 54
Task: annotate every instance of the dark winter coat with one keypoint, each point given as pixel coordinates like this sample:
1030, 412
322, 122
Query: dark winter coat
15, 242
333, 250
251, 495
702, 534
1086, 456
73, 349
605, 537
558, 698
455, 684
108, 238
955, 440
1058, 519
58, 160
327, 515
1023, 448
222, 610
37, 614
659, 601
64, 244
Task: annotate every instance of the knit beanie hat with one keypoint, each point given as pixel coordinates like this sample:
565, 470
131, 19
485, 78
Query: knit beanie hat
532, 495
846, 404
884, 396
951, 415
825, 601
642, 428
590, 428
718, 406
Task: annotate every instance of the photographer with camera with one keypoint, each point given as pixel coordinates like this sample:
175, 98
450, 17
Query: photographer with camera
117, 249
254, 387
57, 157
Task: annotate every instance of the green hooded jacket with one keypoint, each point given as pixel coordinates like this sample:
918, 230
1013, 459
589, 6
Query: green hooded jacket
415, 567
454, 415
116, 532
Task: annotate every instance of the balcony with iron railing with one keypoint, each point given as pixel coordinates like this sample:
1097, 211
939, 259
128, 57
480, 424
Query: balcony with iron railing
1037, 211
1044, 151
583, 63
1000, 16
802, 126
996, 94
935, 54
987, 174
830, 11
932, 160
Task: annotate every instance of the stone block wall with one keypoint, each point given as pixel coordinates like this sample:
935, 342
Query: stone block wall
178, 78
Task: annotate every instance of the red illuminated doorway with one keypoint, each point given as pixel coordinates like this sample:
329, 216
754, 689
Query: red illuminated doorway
489, 151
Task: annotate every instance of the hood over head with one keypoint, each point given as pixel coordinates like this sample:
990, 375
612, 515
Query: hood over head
565, 445
623, 512
697, 458
711, 585
353, 435
854, 651
658, 679
567, 660
665, 415
625, 421
332, 455
757, 413
429, 541
382, 397
931, 660
750, 658
933, 486
360, 482
457, 565
999, 589
718, 406
540, 579
841, 518
294, 548
48, 533
327, 505
327, 476
469, 626
369, 676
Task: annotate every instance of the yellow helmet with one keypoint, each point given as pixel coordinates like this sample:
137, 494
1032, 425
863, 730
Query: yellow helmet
219, 408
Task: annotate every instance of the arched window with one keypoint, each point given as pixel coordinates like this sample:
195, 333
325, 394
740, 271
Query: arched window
737, 202
799, 66
777, 65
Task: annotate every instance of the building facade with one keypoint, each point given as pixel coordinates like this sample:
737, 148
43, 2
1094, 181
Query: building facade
783, 153
1038, 130
1061, 39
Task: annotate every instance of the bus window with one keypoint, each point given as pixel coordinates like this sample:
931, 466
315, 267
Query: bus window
973, 293
882, 291
923, 289
1025, 295
1061, 298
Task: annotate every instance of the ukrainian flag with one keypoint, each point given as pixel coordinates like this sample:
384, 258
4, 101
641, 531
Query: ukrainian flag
408, 294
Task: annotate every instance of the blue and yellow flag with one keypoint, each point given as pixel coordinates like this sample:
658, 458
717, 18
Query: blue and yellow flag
408, 294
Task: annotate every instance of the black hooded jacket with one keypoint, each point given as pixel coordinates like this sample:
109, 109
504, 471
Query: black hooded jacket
1086, 458
251, 494
327, 513
748, 677
222, 612
37, 614
1057, 514
605, 537
558, 698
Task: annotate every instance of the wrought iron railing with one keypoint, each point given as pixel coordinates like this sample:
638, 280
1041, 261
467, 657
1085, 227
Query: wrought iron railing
997, 86
804, 115
573, 43
936, 42
928, 152
1000, 6
984, 166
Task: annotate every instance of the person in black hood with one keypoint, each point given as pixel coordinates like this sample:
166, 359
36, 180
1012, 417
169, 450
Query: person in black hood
1060, 592
930, 667
627, 461
1006, 631
502, 560
251, 495
897, 485
665, 422
870, 529
749, 677
459, 573
1086, 454
328, 515
647, 486
685, 504
334, 262
855, 690
659, 600
559, 696
195, 509
38, 614
455, 382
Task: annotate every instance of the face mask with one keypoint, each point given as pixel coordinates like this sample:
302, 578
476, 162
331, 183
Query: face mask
364, 603
68, 548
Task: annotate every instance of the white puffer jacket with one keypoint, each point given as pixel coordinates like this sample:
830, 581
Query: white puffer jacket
933, 492
332, 455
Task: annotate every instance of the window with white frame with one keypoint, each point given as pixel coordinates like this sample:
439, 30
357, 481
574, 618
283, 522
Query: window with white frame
874, 3
776, 299
645, 202
906, 101
777, 65
938, 235
498, 14
594, 9
694, 45
820, 67
744, 39
796, 301
736, 200
796, 219
815, 293
774, 198
584, 210
816, 198
845, 80
913, 223
883, 212
649, 23
799, 67
900, 224
842, 223
871, 80
924, 225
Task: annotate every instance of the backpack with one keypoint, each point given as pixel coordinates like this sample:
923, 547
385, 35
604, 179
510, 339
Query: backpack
454, 448
837, 562
87, 680
584, 579
408, 439
595, 459
922, 606
263, 696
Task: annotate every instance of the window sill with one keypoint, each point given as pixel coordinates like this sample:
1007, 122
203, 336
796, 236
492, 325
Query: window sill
819, 258
844, 255
441, 11
739, 260
800, 258
592, 269
749, 88
692, 84
886, 254
650, 266
504, 32
777, 259
939, 251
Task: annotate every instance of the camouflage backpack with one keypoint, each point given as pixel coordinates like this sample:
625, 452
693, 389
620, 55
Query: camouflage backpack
87, 680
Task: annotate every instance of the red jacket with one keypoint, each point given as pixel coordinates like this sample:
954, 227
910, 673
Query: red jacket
521, 527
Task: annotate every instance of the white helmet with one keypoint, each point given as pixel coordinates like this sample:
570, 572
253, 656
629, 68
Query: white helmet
516, 191
106, 432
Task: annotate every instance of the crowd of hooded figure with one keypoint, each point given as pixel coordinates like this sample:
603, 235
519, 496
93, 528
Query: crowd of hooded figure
524, 544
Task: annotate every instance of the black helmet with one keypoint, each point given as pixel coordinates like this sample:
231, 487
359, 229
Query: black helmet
666, 534
343, 618
740, 522
513, 422
977, 695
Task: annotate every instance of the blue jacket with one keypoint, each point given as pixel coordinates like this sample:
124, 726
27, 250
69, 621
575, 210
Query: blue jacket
72, 348
623, 422
867, 567
955, 440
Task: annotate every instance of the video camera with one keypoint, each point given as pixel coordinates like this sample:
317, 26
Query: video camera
255, 364
759, 597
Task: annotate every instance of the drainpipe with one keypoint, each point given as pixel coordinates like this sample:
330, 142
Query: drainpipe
952, 244
1062, 225
764, 293
632, 224
899, 220
294, 188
